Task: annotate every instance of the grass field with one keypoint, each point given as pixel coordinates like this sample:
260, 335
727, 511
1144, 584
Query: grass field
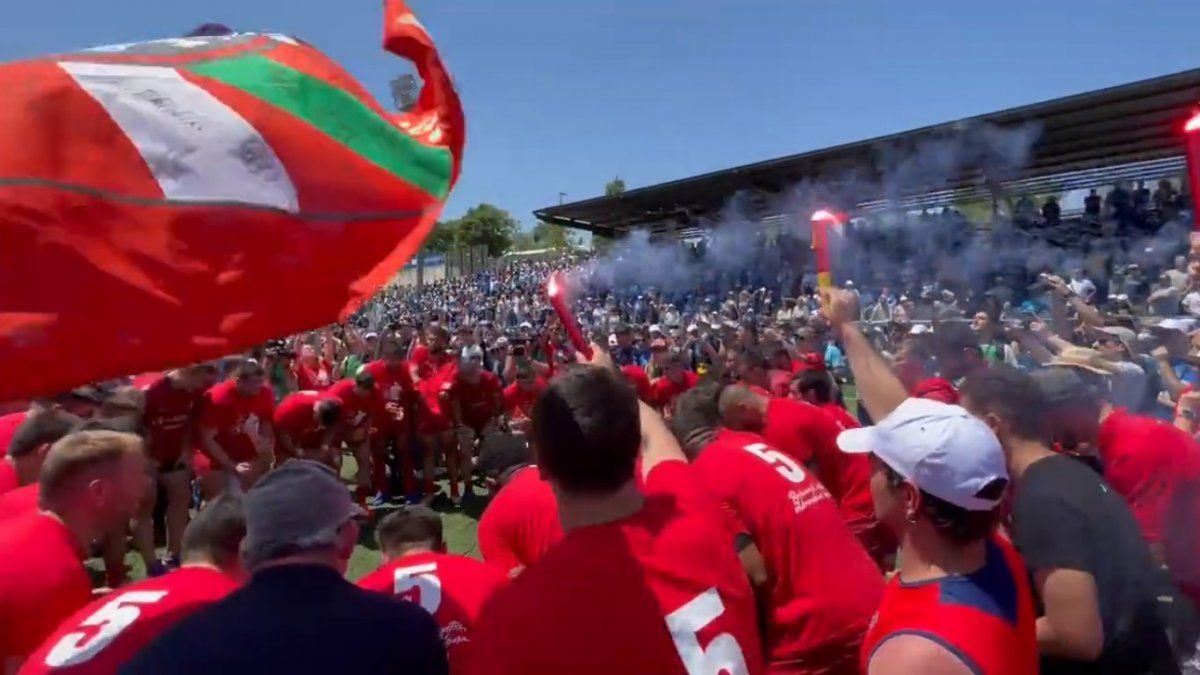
459, 525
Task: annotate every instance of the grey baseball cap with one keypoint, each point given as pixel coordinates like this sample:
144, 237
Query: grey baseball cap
292, 504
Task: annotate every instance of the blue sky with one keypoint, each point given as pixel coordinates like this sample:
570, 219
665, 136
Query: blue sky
564, 95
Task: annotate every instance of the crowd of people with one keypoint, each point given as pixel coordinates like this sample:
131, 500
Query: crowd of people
1013, 487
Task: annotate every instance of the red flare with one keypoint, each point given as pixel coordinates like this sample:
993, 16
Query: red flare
556, 293
821, 221
1192, 143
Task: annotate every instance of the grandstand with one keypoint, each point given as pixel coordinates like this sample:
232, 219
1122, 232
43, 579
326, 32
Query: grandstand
1131, 132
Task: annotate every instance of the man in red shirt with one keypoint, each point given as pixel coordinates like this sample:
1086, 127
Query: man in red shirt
521, 522
475, 401
308, 425
637, 378
675, 380
235, 429
653, 574
809, 436
392, 435
1154, 466
417, 568
29, 445
433, 375
362, 409
91, 483
102, 636
314, 372
168, 416
520, 396
816, 608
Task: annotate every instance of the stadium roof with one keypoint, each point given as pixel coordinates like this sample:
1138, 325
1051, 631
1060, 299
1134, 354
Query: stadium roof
1131, 130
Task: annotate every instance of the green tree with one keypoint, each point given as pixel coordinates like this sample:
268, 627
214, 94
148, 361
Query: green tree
614, 187
486, 225
441, 239
523, 241
549, 235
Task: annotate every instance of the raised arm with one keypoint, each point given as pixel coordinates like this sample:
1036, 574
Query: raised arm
879, 388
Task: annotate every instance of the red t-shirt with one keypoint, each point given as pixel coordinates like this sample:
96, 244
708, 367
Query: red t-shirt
936, 389
294, 417
419, 355
8, 429
358, 412
102, 636
314, 379
521, 522
166, 419
781, 383
640, 381
396, 387
42, 581
1144, 460
664, 391
519, 402
236, 418
1156, 469
824, 586
477, 402
8, 476
658, 588
809, 436
435, 376
452, 588
840, 414
19, 502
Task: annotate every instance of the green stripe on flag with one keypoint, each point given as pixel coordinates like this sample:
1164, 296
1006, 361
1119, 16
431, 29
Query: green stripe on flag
339, 115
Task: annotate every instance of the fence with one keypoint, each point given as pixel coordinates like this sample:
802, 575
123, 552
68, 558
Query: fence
433, 267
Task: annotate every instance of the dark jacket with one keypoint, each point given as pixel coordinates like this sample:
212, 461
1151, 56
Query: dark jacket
299, 619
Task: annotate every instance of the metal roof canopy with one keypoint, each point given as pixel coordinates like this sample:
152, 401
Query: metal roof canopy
1107, 133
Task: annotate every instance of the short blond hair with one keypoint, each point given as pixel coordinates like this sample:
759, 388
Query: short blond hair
81, 453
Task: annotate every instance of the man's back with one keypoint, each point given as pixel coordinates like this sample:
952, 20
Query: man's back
452, 588
299, 619
521, 522
659, 592
820, 604
108, 632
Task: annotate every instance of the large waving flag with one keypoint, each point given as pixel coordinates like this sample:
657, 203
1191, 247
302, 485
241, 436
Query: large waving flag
176, 200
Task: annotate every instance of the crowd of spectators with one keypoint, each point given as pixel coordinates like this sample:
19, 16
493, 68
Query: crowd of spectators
1010, 485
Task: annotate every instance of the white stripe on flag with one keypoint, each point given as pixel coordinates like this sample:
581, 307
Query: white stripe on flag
198, 148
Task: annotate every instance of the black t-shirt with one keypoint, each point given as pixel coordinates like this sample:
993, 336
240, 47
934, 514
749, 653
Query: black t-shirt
1065, 516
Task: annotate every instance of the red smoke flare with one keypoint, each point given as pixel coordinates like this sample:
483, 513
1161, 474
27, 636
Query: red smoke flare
556, 293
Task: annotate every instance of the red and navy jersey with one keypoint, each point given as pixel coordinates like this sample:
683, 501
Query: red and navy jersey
986, 618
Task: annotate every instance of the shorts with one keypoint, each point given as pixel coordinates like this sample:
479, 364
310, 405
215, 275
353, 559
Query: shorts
430, 424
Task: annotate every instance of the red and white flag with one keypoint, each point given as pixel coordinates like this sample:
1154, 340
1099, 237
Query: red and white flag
176, 200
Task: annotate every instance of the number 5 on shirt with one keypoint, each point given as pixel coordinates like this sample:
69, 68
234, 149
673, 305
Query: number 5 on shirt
786, 466
112, 618
723, 654
419, 584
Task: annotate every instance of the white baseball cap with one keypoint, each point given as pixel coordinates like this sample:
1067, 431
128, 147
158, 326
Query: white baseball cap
655, 328
941, 448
